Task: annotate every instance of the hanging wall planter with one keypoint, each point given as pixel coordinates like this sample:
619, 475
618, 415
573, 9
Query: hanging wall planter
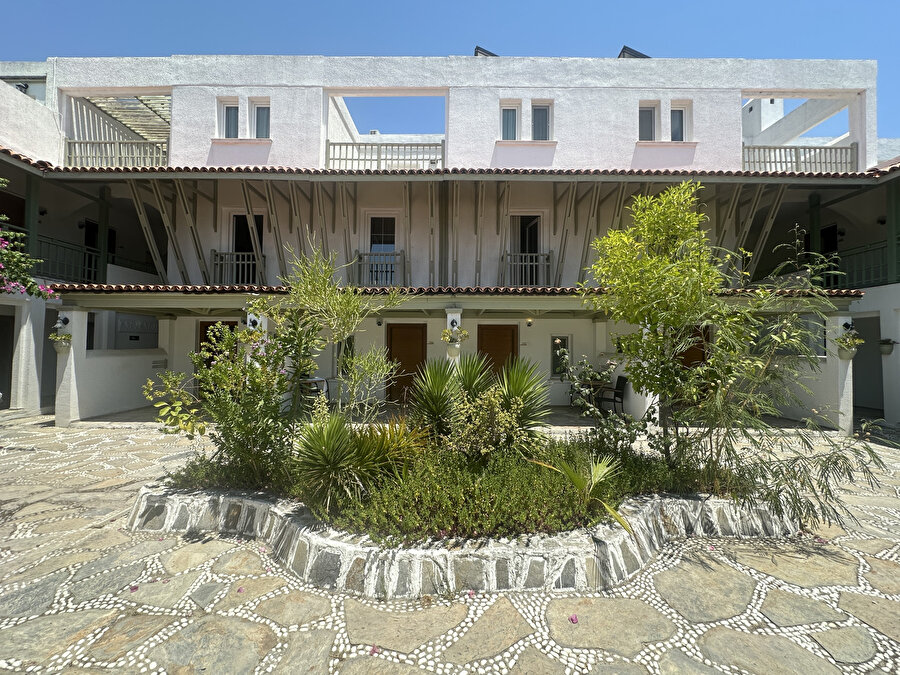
886, 346
846, 354
62, 342
453, 349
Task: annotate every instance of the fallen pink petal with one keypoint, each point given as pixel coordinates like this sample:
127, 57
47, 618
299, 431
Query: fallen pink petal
573, 618
471, 594
241, 589
374, 650
132, 588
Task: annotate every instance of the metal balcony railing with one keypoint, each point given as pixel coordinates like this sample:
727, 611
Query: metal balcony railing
236, 267
381, 269
376, 156
527, 269
99, 154
801, 158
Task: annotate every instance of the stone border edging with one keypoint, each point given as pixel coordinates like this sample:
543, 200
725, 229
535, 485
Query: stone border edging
593, 559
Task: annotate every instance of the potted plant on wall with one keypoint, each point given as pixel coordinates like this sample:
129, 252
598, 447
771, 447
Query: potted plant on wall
454, 337
848, 342
62, 342
886, 345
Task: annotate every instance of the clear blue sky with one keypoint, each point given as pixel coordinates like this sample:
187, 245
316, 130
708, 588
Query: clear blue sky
805, 29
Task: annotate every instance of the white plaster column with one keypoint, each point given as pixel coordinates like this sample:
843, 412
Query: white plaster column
68, 366
843, 383
890, 366
25, 393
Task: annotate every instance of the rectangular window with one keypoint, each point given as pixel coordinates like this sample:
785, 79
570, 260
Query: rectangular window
558, 342
678, 124
379, 268
230, 121
509, 118
647, 124
261, 113
540, 123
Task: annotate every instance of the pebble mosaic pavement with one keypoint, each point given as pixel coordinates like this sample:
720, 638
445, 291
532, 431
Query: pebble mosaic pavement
78, 593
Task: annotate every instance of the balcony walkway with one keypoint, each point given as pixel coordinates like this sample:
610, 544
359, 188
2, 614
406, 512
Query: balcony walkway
78, 590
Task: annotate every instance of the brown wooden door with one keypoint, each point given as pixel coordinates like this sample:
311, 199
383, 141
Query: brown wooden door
406, 345
498, 343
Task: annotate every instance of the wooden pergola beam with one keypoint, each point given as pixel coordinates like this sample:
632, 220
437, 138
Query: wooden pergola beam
169, 226
254, 235
192, 228
148, 233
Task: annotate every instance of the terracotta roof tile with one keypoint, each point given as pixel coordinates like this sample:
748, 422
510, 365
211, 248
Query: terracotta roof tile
542, 291
48, 167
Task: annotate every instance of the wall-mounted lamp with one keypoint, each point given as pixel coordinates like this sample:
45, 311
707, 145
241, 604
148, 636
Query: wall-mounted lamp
61, 322
847, 325
453, 324
379, 322
529, 321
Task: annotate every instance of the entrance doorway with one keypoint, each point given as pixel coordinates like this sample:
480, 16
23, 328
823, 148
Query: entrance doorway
868, 386
245, 264
7, 347
498, 343
406, 345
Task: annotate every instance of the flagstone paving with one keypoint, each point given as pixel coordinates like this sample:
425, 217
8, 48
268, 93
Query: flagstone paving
78, 593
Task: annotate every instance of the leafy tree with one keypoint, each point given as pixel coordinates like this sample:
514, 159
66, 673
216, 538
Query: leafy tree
723, 356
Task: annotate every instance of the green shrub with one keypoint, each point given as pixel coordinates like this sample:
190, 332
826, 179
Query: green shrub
336, 461
486, 425
443, 494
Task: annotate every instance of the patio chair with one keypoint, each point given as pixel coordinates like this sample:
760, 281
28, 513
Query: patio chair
614, 395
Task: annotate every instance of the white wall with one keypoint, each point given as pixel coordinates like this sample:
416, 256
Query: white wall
884, 302
594, 101
29, 127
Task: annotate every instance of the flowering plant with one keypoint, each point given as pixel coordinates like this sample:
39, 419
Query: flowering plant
60, 337
850, 339
16, 265
454, 335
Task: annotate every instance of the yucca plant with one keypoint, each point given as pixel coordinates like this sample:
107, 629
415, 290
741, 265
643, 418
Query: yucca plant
474, 375
389, 446
432, 396
522, 379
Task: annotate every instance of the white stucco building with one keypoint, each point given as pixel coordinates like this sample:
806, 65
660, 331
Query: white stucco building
136, 179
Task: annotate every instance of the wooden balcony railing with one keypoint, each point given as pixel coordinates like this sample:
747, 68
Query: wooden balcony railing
862, 267
99, 154
64, 261
361, 156
381, 269
526, 269
801, 158
236, 267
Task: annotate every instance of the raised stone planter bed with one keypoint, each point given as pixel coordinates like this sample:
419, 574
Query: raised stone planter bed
582, 559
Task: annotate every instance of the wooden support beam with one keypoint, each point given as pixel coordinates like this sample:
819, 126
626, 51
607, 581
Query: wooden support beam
32, 213
215, 206
479, 228
728, 218
503, 190
148, 233
192, 229
593, 212
170, 231
432, 222
618, 205
748, 217
103, 234
407, 218
254, 235
276, 228
455, 189
774, 207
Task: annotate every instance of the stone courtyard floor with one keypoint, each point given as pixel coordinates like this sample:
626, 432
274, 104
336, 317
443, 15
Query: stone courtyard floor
79, 593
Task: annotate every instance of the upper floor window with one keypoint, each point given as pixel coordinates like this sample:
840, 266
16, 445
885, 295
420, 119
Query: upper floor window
678, 132
229, 122
260, 111
646, 123
509, 123
540, 122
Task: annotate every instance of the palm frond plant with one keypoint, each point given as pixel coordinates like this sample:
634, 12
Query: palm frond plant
474, 374
586, 482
